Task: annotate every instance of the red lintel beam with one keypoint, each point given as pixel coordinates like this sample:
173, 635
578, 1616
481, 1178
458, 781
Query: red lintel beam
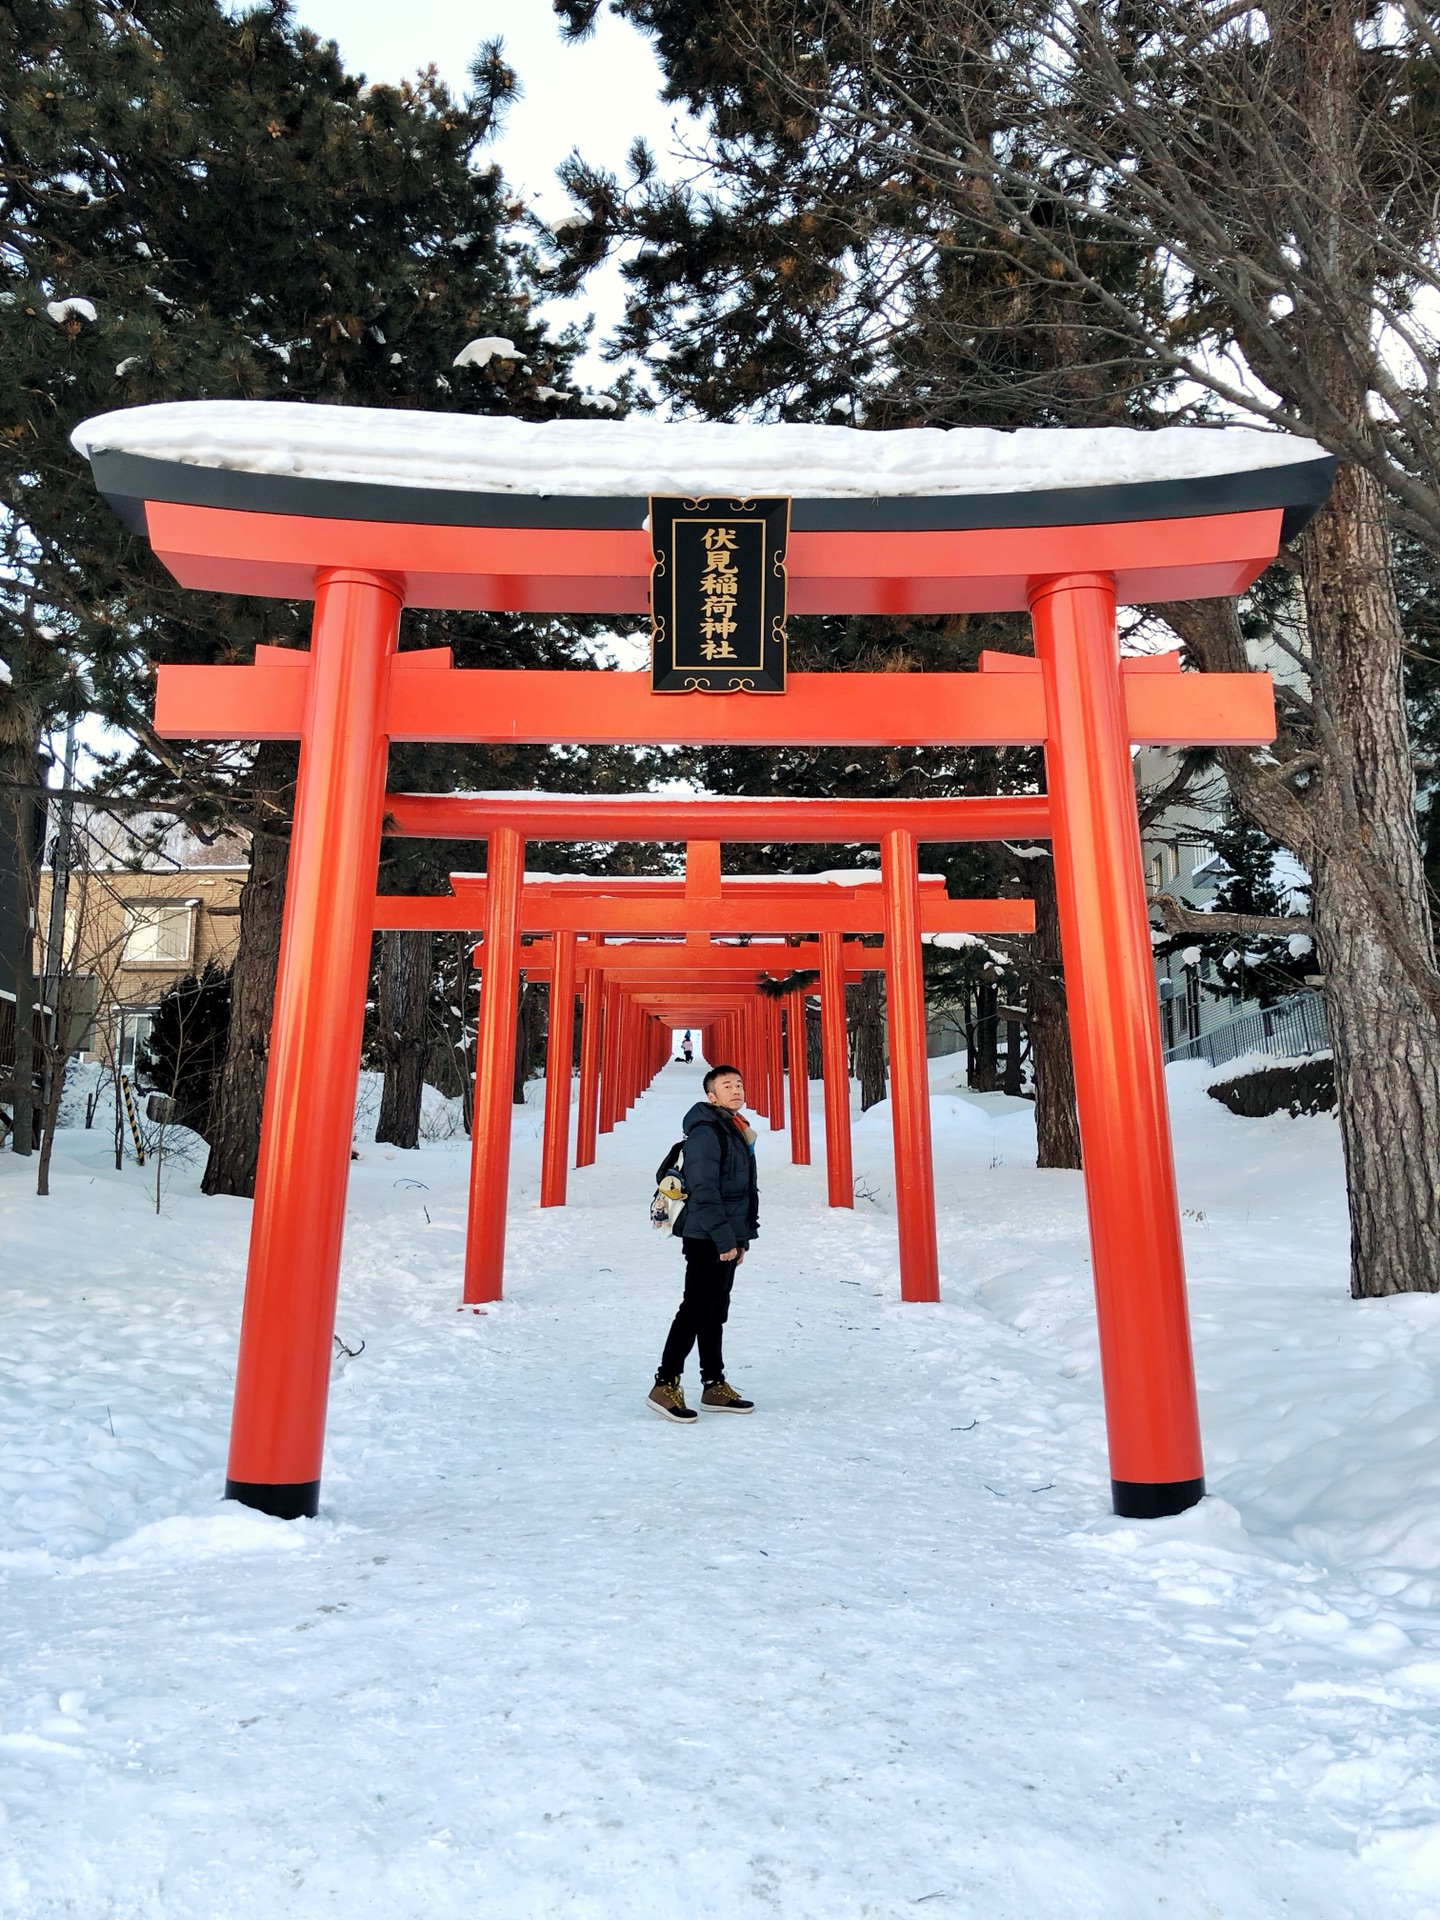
683, 966
544, 708
646, 816
600, 570
864, 913
737, 886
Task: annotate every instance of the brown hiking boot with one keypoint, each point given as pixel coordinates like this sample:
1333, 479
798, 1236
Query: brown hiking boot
668, 1401
724, 1396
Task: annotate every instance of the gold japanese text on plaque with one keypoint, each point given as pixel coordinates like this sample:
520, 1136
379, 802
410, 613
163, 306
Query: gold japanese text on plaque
717, 595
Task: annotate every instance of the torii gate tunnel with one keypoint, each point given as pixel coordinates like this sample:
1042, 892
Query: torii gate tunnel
367, 512
699, 983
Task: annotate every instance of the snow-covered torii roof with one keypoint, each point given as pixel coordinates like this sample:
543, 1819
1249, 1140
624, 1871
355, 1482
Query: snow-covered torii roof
462, 470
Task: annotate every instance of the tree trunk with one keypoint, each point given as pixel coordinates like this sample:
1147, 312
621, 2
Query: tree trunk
20, 770
65, 1036
528, 1030
868, 1039
1057, 1125
240, 1089
445, 1053
984, 1064
406, 964
49, 1120
1014, 1083
22, 1138
814, 1057
1387, 1042
1351, 820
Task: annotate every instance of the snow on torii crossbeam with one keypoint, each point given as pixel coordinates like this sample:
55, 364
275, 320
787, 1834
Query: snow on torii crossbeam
367, 511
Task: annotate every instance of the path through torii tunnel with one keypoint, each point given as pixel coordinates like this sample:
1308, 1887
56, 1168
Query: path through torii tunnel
367, 512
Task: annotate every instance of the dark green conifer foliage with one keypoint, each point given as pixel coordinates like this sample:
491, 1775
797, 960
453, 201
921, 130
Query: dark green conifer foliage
186, 1045
1254, 967
244, 219
247, 221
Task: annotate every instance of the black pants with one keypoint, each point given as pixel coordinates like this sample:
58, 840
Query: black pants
703, 1313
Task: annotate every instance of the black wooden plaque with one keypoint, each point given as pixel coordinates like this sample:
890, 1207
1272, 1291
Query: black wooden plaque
717, 595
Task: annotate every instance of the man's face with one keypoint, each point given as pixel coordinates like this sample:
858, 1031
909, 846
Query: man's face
728, 1092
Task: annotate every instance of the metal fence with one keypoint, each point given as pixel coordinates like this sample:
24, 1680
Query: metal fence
1291, 1027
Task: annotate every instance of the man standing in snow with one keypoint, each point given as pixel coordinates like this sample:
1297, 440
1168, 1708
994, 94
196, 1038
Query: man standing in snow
720, 1218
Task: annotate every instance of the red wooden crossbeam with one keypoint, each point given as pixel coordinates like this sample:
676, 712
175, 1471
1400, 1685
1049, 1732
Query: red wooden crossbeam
540, 708
730, 818
594, 570
547, 909
644, 960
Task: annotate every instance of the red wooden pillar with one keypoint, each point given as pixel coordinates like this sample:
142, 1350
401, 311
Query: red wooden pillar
799, 1080
835, 1066
282, 1374
909, 1078
1150, 1410
610, 1057
494, 1069
559, 1054
774, 1061
630, 1045
591, 1019
754, 1067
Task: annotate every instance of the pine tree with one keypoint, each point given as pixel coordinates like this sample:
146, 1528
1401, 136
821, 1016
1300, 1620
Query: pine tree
1256, 967
199, 201
185, 1048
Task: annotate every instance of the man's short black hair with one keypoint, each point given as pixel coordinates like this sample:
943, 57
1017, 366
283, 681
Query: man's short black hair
714, 1074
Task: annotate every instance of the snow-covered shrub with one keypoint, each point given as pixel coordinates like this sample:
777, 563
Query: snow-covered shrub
1307, 1088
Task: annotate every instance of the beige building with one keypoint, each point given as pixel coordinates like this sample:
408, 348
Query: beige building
148, 904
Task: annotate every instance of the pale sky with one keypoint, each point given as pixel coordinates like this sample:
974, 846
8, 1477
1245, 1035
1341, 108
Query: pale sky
595, 96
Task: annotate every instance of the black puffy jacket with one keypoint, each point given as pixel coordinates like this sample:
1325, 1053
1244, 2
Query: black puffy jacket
722, 1195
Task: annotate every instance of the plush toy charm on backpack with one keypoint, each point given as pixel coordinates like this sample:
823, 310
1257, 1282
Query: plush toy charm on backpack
669, 1185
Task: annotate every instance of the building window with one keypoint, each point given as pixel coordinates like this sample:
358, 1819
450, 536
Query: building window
132, 1030
1157, 876
159, 933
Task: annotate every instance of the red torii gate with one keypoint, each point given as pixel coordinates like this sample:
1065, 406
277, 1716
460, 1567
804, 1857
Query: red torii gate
297, 502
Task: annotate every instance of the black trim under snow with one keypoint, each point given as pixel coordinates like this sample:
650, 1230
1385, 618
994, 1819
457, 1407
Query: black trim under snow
1152, 1500
289, 1500
128, 480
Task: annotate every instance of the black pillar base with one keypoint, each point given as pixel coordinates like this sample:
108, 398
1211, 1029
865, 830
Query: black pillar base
295, 1500
1152, 1500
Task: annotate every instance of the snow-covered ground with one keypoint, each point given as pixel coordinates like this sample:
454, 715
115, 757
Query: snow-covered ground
879, 1649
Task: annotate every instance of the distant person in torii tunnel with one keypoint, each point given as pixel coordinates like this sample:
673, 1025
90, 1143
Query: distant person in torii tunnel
687, 1048
716, 1225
